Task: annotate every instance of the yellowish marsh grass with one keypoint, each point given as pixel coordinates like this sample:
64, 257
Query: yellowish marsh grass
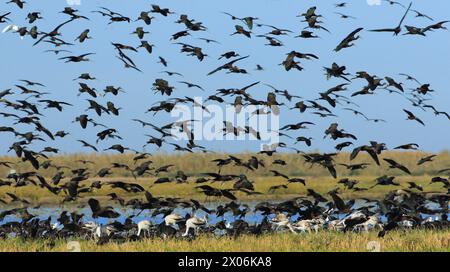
262, 184
195, 164
415, 240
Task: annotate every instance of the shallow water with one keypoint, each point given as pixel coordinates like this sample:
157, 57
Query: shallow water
251, 217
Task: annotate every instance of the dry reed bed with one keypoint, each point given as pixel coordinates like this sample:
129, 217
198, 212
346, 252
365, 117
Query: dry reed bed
414, 240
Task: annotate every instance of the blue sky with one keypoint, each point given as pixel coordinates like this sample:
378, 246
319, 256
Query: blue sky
378, 53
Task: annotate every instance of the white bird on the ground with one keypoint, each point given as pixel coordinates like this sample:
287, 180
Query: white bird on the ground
91, 227
341, 224
281, 220
144, 227
195, 223
98, 231
307, 225
228, 225
172, 219
405, 224
430, 219
354, 216
372, 223
336, 225
301, 225
55, 226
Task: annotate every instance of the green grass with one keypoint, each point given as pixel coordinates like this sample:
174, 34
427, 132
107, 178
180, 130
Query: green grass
197, 163
414, 240
321, 185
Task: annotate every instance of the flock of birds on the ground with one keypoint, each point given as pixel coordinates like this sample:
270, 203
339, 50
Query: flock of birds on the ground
402, 208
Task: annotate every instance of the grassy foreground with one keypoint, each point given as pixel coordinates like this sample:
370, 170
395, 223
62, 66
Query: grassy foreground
415, 240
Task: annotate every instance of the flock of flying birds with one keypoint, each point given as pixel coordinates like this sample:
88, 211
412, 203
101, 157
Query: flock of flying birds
399, 209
